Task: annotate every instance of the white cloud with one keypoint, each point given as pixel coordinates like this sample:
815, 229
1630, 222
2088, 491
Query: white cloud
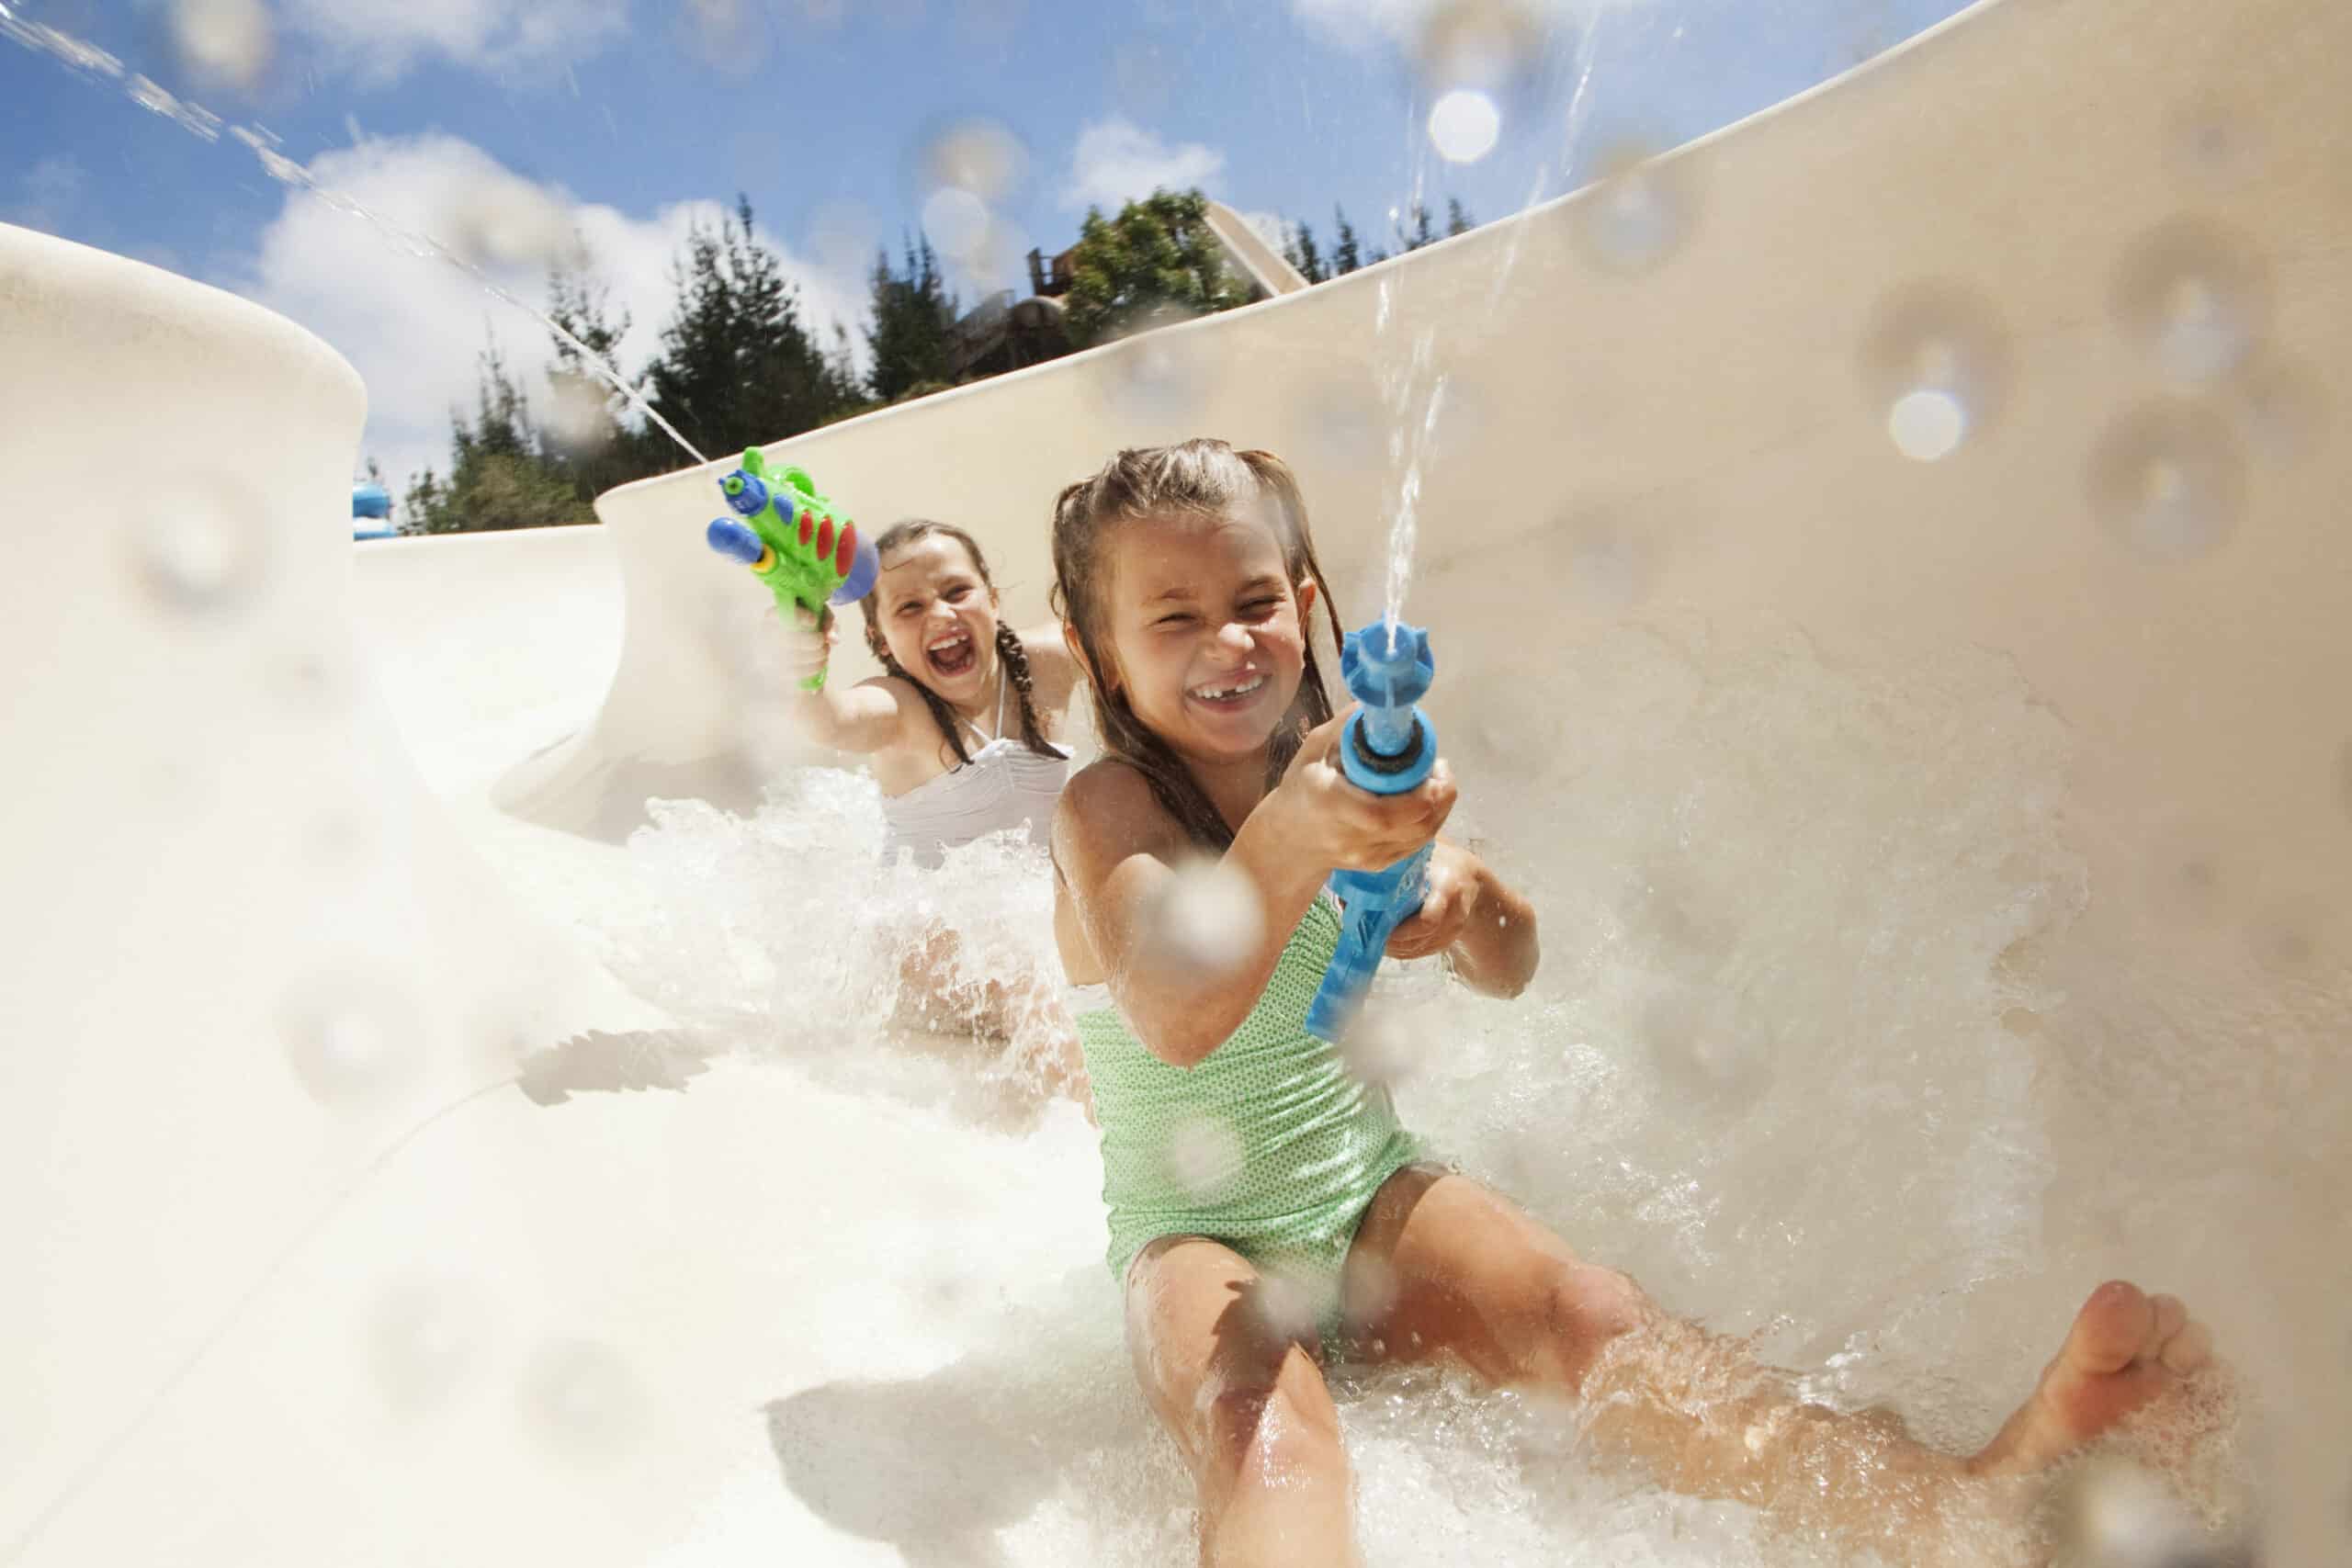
415, 327
381, 39
1117, 162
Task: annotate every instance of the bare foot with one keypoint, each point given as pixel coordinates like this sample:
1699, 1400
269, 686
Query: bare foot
2125, 1349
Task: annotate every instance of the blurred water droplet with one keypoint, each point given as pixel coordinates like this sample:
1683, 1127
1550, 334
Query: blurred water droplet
1464, 125
2212, 144
2112, 1514
1636, 216
584, 1399
1379, 1049
1205, 919
1935, 361
1203, 1157
198, 561
956, 221
729, 36
1489, 44
580, 417
1609, 565
843, 235
501, 219
2196, 296
2167, 480
352, 1036
225, 43
1701, 1045
977, 155
2281, 403
425, 1339
1341, 425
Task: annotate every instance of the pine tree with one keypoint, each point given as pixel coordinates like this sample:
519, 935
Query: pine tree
499, 473
1423, 231
1457, 217
1300, 251
1345, 255
736, 366
913, 312
1157, 255
587, 435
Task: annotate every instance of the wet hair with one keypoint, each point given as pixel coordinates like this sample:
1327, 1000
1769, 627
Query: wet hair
1009, 650
1200, 477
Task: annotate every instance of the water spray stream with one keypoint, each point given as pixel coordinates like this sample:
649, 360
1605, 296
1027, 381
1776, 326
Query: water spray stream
198, 120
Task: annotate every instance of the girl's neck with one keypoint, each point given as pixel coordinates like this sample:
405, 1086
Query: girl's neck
985, 700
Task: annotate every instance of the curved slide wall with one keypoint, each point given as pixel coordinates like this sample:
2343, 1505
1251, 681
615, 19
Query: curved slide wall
243, 1152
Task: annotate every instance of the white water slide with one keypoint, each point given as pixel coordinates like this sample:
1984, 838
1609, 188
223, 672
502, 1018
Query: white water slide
1889, 577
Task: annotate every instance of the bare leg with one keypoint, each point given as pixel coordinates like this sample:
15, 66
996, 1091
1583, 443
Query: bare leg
1247, 1405
935, 995
1442, 1265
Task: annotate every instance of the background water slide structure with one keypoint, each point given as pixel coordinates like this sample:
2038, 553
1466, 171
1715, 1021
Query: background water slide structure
1986, 399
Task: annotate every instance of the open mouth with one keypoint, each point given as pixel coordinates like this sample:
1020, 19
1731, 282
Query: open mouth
952, 653
1230, 696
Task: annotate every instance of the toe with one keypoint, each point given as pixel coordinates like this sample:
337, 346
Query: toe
2112, 1330
2188, 1349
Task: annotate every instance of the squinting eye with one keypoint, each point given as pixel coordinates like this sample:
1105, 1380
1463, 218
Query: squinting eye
1178, 619
958, 595
1263, 606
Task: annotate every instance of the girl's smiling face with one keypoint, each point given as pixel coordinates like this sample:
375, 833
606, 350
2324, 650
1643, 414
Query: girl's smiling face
1207, 631
939, 616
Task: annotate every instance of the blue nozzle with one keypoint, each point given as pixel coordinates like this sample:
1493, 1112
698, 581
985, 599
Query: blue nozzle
729, 537
746, 492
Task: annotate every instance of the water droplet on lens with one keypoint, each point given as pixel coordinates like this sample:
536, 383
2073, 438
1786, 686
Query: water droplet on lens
195, 563
977, 155
1156, 378
424, 1339
1205, 920
1636, 216
584, 1399
956, 221
2167, 480
352, 1038
1934, 361
2196, 296
225, 43
2281, 404
1490, 44
1464, 125
1379, 1049
2213, 145
1203, 1157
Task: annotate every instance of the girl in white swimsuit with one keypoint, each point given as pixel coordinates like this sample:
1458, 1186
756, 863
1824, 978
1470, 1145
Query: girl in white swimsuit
959, 731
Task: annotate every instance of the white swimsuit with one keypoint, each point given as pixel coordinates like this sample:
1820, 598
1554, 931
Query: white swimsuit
1004, 786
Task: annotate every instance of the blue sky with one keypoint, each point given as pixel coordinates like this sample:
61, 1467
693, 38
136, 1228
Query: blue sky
508, 126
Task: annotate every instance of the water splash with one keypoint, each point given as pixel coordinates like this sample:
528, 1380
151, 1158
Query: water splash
194, 118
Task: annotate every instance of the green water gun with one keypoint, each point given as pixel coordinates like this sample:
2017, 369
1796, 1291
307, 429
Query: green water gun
794, 540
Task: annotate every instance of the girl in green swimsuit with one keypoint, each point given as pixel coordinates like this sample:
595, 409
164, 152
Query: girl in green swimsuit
1263, 1202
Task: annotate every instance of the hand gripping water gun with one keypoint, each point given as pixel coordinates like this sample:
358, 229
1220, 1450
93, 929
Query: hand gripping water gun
792, 542
1387, 747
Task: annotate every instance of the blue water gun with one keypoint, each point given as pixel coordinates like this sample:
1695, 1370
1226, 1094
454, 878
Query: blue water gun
1387, 747
793, 541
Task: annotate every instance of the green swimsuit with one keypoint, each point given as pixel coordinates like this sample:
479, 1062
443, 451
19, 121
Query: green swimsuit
1270, 1145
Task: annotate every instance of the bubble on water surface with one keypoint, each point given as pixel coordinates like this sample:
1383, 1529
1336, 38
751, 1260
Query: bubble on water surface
225, 42
425, 1339
1204, 1156
199, 560
2167, 480
353, 1037
1935, 358
584, 1401
1636, 214
1464, 125
2196, 295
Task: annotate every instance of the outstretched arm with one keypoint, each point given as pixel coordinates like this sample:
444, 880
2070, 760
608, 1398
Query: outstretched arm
870, 717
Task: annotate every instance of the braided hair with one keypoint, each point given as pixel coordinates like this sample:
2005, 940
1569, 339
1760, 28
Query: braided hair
1009, 651
1202, 477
